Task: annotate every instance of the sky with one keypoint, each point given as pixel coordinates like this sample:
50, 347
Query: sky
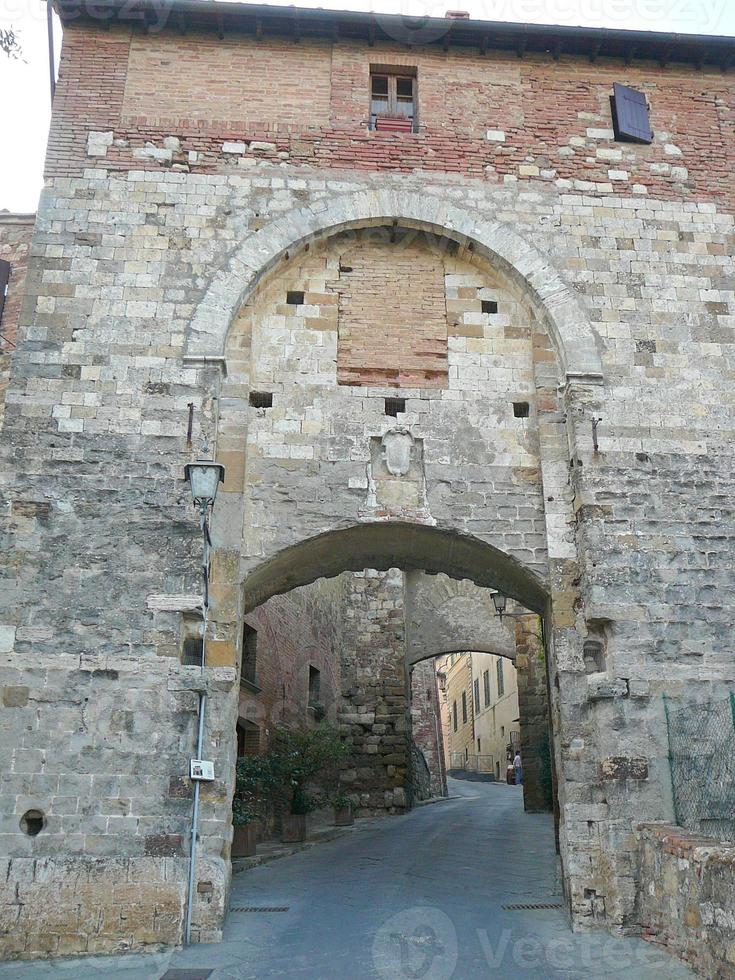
26, 114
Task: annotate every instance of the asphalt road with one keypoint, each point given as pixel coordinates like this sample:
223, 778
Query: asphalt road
418, 897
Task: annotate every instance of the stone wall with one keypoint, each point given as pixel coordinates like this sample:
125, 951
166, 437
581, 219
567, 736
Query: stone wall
429, 777
687, 896
533, 704
16, 231
374, 716
98, 746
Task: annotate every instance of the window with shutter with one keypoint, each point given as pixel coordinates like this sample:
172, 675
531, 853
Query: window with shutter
630, 115
501, 680
4, 277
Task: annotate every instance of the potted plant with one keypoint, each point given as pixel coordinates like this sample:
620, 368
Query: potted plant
253, 782
243, 836
343, 815
297, 759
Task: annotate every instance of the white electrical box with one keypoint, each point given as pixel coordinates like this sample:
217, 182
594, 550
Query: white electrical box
201, 769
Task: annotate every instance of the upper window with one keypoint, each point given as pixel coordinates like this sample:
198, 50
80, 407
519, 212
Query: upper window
630, 115
454, 715
392, 102
501, 682
486, 684
464, 707
476, 693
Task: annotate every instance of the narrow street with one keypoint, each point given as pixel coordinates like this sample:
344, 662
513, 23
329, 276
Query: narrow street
424, 895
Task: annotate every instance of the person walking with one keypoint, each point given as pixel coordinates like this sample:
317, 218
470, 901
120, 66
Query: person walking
518, 769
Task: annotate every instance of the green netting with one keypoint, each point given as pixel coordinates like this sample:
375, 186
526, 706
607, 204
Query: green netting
702, 758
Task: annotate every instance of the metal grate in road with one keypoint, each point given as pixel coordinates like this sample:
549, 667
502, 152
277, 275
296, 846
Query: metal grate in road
532, 906
259, 908
187, 974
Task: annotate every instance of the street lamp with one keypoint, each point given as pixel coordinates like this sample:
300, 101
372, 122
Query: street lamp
500, 601
204, 477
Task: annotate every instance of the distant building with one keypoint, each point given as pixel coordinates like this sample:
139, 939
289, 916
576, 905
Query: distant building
479, 703
495, 711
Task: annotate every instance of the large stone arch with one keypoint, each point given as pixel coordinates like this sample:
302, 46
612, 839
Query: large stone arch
553, 301
394, 544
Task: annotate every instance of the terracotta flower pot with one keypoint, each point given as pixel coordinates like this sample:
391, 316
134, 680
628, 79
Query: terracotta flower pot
343, 816
243, 841
293, 828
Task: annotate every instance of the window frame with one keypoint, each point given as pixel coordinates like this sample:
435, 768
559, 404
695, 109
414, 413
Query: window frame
394, 73
487, 688
476, 695
464, 707
500, 677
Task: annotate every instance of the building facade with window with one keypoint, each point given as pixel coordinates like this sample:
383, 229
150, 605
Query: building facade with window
496, 711
443, 295
458, 722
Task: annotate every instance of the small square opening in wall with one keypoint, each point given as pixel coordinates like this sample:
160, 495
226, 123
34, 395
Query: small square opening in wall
395, 405
295, 297
489, 306
261, 399
521, 410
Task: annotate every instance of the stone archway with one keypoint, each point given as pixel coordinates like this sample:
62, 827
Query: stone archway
394, 544
288, 518
259, 253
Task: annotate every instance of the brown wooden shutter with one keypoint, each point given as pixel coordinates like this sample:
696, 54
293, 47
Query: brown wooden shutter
630, 115
4, 276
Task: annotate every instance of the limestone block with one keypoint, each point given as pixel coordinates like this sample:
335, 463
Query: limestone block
99, 143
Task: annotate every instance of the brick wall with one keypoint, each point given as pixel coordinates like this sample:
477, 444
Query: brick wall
392, 315
224, 105
198, 79
295, 631
16, 231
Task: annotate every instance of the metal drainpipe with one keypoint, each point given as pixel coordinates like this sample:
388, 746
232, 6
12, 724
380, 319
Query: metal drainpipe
203, 517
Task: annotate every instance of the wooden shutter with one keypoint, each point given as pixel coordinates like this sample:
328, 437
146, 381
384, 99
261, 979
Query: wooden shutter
4, 276
630, 115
